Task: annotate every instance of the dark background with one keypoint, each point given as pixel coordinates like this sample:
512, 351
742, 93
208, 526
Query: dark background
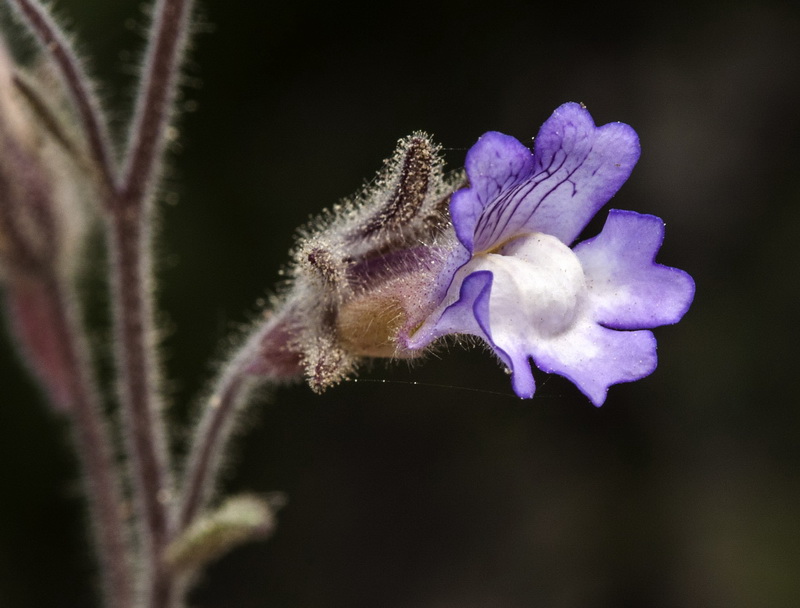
682, 491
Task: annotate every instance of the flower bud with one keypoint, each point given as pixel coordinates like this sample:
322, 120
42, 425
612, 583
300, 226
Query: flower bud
41, 180
42, 185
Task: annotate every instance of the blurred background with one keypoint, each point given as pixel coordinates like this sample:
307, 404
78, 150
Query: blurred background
432, 486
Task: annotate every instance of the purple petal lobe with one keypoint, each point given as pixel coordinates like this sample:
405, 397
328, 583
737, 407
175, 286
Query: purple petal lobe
522, 380
495, 164
575, 169
476, 297
626, 288
469, 314
595, 357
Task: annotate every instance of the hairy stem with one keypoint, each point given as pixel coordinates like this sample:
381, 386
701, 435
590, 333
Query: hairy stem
98, 460
44, 304
155, 98
141, 410
213, 430
132, 295
265, 357
77, 83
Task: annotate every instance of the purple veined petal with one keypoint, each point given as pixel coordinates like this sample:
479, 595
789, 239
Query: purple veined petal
577, 168
595, 357
470, 314
627, 289
495, 164
460, 317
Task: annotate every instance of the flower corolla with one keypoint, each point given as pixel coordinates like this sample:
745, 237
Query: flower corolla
516, 280
390, 272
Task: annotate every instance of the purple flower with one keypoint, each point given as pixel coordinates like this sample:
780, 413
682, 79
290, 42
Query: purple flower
581, 312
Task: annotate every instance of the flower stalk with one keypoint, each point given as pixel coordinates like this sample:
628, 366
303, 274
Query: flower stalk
157, 89
45, 305
265, 358
130, 272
